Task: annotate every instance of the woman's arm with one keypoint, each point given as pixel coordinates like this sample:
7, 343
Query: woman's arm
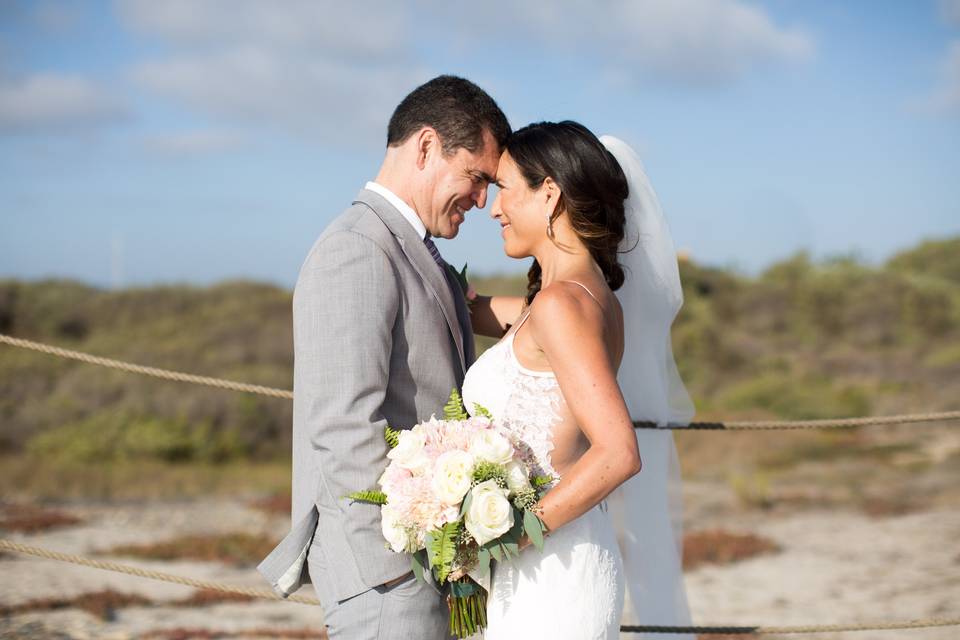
492, 315
568, 327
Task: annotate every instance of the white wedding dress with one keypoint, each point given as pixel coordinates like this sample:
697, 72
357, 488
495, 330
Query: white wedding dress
624, 555
575, 588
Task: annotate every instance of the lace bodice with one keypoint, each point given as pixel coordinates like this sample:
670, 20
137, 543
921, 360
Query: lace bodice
525, 401
575, 587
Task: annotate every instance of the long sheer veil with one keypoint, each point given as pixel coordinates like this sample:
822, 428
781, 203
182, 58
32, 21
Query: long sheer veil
647, 509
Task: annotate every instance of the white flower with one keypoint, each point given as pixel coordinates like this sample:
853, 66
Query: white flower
517, 479
452, 474
490, 514
396, 535
490, 446
409, 452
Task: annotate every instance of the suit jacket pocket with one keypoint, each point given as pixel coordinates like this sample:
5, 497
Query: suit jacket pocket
342, 574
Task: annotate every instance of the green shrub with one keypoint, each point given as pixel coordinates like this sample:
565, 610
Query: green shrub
111, 436
796, 398
938, 258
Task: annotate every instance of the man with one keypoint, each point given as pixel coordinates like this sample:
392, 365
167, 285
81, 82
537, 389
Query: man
381, 335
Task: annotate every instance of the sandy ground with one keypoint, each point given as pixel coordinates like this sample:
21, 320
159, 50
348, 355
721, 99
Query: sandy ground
834, 567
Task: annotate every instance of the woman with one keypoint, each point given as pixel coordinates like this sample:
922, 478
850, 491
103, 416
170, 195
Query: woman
572, 202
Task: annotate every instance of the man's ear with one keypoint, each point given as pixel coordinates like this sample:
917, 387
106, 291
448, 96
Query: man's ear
428, 142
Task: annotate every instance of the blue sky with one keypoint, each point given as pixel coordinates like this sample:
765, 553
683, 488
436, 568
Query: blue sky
194, 141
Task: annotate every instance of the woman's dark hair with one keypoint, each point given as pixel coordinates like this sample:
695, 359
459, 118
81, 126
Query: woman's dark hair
459, 111
593, 189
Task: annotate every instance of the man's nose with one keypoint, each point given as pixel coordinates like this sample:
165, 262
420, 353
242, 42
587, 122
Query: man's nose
481, 198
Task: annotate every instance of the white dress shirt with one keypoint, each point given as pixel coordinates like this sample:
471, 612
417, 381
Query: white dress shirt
401, 206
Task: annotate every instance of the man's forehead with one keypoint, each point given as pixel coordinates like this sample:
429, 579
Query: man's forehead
484, 164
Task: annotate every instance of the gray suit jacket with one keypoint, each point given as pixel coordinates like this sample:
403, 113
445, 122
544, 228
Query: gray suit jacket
378, 334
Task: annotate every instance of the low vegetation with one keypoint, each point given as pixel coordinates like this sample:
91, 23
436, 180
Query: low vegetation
720, 547
803, 339
27, 518
237, 549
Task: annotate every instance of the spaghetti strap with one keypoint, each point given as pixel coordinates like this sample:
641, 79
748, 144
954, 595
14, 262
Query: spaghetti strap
587, 290
526, 314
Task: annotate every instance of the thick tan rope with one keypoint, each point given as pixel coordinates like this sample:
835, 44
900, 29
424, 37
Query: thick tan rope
147, 573
147, 371
832, 423
283, 393
269, 595
822, 628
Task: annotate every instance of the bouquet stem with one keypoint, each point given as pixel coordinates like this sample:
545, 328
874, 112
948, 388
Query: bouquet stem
468, 608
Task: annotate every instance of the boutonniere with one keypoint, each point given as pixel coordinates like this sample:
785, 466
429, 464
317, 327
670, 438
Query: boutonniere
461, 276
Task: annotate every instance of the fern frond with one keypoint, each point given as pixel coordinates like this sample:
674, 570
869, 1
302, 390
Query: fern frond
392, 436
454, 410
443, 548
481, 410
371, 496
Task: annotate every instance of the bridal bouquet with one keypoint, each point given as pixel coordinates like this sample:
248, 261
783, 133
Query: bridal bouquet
457, 494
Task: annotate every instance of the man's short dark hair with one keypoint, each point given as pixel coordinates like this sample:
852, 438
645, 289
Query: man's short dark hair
459, 111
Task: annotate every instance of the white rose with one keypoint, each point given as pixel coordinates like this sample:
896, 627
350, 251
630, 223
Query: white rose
396, 535
409, 451
452, 475
490, 446
490, 514
517, 479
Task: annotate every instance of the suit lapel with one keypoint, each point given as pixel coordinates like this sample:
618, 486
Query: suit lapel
463, 314
419, 256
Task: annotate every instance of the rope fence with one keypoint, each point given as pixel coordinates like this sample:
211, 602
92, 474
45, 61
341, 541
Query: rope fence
734, 425
231, 385
40, 552
164, 374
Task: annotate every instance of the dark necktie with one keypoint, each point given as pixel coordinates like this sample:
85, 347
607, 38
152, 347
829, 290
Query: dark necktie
436, 254
462, 312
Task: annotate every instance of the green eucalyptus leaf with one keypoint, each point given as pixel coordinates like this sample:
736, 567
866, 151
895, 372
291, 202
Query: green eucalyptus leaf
465, 505
431, 547
417, 563
516, 530
534, 528
483, 559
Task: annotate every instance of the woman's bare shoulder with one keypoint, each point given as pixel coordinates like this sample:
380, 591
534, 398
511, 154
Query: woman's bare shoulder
564, 305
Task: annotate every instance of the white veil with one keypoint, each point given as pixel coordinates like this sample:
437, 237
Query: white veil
647, 509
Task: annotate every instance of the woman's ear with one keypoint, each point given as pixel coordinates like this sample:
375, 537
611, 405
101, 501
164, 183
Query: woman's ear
551, 192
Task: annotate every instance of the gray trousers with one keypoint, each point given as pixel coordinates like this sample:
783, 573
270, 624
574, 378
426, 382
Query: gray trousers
407, 610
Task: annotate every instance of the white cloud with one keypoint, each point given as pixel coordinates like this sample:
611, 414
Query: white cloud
950, 12
340, 28
192, 143
336, 70
699, 42
704, 40
945, 99
321, 69
57, 17
306, 95
46, 101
